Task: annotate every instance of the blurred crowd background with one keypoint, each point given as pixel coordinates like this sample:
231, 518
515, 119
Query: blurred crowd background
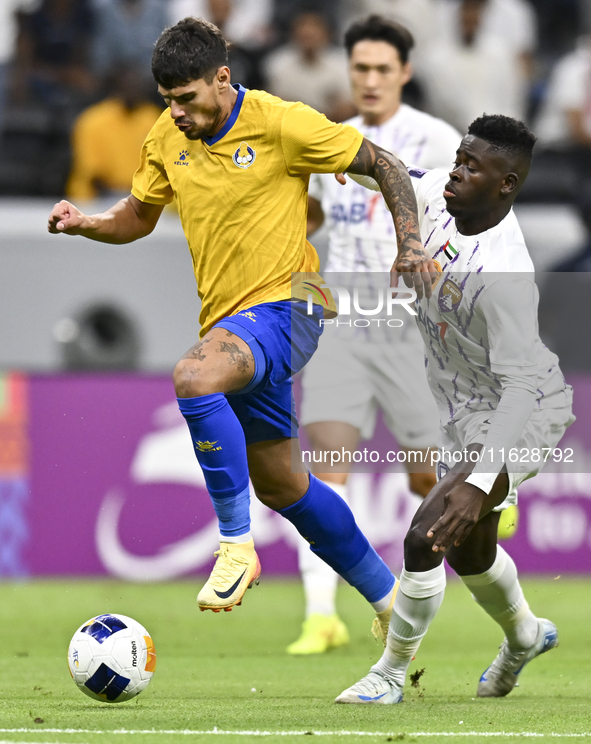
77, 98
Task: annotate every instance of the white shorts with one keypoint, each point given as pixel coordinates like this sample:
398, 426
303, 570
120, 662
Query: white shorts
545, 428
349, 380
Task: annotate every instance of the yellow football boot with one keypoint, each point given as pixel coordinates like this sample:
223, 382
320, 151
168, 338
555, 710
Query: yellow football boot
381, 622
236, 569
319, 633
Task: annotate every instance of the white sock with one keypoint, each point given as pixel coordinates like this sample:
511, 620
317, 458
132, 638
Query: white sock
237, 539
499, 594
383, 603
419, 597
319, 579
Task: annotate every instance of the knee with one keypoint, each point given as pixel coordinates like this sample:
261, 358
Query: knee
279, 494
417, 548
192, 381
274, 495
421, 483
271, 498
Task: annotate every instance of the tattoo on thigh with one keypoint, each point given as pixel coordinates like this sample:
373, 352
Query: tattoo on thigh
237, 356
197, 350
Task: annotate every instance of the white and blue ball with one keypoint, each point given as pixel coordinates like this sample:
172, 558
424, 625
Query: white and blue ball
111, 658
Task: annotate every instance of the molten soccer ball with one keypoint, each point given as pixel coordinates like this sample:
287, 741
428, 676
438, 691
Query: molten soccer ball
111, 658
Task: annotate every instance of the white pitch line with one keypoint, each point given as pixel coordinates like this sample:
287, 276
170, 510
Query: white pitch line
223, 732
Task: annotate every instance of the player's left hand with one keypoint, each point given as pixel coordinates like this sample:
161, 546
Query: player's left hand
463, 504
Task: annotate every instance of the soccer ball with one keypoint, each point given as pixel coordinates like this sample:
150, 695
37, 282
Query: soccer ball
111, 658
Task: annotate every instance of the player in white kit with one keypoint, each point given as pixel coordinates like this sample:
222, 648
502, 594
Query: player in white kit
345, 383
499, 391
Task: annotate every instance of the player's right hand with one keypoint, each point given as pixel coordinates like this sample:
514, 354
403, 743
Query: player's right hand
66, 218
463, 506
417, 269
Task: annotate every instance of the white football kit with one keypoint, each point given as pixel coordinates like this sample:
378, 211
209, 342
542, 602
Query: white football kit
494, 381
348, 379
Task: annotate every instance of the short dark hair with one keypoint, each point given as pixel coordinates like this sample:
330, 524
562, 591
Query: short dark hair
377, 28
189, 50
504, 133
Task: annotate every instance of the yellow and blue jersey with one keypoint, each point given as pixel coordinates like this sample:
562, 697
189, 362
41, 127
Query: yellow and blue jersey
242, 196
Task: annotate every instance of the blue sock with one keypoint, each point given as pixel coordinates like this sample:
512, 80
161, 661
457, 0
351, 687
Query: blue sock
220, 446
327, 523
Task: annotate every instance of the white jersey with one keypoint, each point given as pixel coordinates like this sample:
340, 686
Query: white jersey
360, 228
481, 322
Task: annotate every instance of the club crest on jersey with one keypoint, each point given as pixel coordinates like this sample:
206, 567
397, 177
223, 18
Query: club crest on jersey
450, 296
244, 156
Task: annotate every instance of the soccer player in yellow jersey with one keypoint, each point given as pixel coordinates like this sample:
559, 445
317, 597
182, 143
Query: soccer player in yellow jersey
238, 164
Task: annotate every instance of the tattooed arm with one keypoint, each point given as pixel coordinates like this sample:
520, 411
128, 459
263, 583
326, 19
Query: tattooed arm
412, 261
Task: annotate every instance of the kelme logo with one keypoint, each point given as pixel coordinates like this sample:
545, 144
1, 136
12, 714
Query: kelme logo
183, 158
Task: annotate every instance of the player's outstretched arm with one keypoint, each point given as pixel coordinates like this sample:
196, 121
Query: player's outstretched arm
125, 222
413, 262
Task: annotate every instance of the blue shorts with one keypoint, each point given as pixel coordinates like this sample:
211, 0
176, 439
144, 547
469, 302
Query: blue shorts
282, 338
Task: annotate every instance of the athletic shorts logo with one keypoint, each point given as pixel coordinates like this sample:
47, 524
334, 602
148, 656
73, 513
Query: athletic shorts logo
250, 315
207, 446
450, 296
244, 156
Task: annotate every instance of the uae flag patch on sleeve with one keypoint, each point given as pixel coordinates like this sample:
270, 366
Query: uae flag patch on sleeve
449, 250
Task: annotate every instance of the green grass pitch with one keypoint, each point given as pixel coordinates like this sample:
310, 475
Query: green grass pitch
220, 676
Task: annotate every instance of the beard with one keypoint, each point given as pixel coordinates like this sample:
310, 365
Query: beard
208, 130
195, 135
